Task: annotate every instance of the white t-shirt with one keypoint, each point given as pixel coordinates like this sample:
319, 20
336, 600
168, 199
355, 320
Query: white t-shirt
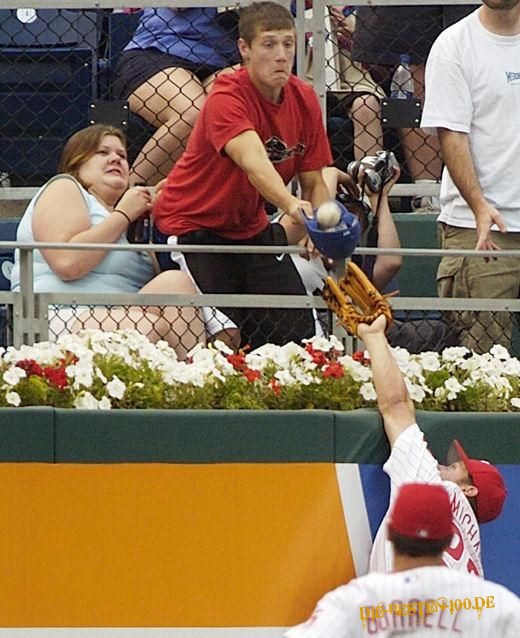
473, 87
411, 461
339, 613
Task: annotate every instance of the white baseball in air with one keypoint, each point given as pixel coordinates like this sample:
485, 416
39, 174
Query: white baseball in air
328, 215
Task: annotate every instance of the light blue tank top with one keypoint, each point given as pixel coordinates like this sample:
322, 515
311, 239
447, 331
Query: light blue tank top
120, 271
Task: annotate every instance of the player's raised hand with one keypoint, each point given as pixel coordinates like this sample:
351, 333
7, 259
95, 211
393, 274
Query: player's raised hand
376, 327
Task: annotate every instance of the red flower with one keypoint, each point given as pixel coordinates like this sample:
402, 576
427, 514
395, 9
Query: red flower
31, 367
359, 356
318, 356
334, 370
251, 375
56, 376
238, 361
275, 386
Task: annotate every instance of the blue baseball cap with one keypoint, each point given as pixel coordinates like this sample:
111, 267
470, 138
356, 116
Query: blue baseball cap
339, 242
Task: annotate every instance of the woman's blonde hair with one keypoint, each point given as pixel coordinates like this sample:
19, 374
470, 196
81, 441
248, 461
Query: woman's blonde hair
82, 145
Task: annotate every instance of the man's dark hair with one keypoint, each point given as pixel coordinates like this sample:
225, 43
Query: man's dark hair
418, 546
263, 16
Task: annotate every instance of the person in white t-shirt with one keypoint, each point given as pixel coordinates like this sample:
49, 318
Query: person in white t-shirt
421, 597
476, 488
472, 102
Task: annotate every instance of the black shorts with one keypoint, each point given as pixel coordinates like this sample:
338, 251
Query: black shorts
222, 273
382, 34
137, 66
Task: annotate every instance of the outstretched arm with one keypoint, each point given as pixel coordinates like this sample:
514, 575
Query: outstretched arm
248, 152
393, 400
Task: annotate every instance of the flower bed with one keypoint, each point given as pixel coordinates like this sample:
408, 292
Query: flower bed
122, 369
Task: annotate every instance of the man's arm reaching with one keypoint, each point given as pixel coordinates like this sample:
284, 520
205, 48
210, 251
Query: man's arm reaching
393, 400
248, 152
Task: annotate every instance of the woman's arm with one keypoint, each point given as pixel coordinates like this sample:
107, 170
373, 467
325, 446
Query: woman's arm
61, 215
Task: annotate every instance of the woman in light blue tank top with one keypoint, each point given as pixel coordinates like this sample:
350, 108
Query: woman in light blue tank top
89, 202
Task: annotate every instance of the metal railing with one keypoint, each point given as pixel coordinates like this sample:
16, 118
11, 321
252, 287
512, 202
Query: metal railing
28, 312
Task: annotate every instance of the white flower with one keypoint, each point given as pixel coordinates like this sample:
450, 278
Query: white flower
511, 367
220, 346
430, 361
325, 344
357, 370
104, 404
116, 388
515, 402
453, 388
82, 374
13, 398
402, 357
301, 377
284, 377
500, 352
368, 392
86, 401
456, 353
12, 375
417, 392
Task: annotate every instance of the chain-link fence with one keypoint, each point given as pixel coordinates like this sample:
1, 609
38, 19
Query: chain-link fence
148, 70
63, 68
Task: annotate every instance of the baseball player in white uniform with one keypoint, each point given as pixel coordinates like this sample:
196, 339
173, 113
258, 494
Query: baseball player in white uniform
476, 488
421, 598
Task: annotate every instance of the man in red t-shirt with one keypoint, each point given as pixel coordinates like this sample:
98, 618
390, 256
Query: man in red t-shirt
258, 128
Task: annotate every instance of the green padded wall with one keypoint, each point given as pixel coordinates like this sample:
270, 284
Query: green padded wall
417, 277
206, 436
27, 434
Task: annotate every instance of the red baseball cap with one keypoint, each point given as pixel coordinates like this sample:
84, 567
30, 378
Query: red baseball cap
422, 511
486, 478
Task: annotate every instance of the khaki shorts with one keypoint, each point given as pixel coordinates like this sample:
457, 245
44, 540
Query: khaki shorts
473, 278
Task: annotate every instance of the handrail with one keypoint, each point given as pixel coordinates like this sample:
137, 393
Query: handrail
255, 250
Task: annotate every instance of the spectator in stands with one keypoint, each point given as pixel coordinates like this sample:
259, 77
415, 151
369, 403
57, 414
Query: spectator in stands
165, 73
381, 35
258, 128
473, 102
89, 202
363, 93
360, 94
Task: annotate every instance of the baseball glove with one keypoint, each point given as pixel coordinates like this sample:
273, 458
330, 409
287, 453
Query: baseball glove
355, 299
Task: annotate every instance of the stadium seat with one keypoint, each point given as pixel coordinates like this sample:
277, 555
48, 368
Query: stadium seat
48, 62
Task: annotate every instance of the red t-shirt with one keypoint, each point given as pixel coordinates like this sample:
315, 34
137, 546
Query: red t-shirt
207, 190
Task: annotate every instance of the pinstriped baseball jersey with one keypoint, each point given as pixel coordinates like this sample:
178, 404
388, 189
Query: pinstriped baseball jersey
411, 462
428, 602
